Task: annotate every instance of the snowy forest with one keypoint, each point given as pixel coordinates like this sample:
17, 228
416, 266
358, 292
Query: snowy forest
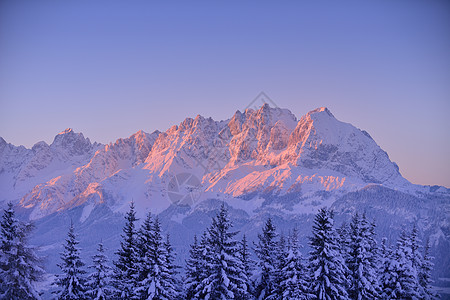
347, 262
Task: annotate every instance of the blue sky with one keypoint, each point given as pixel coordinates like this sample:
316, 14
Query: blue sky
110, 68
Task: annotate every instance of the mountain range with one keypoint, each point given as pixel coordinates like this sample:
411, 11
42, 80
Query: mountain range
260, 163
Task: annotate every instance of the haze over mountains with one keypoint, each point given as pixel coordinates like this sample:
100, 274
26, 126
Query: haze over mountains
261, 163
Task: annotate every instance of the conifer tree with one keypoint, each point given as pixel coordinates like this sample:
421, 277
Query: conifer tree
248, 266
197, 267
266, 251
125, 271
387, 275
425, 274
343, 238
280, 262
172, 282
194, 269
225, 274
145, 259
361, 260
326, 264
197, 271
156, 268
158, 284
344, 244
99, 281
368, 229
370, 235
294, 277
72, 282
404, 283
19, 264
415, 252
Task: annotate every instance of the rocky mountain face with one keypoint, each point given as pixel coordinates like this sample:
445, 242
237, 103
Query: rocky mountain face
22, 169
261, 163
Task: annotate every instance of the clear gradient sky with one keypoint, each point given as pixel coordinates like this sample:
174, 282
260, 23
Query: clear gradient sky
110, 68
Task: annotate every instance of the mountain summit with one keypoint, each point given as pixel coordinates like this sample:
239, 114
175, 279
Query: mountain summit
73, 143
264, 151
261, 163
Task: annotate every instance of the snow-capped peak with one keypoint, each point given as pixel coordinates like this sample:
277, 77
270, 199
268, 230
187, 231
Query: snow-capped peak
72, 142
263, 148
259, 162
322, 109
322, 141
66, 131
39, 146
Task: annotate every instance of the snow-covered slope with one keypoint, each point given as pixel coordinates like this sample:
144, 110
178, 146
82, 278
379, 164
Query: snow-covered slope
74, 188
263, 151
21, 169
260, 162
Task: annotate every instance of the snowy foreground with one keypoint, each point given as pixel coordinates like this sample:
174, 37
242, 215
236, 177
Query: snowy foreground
343, 263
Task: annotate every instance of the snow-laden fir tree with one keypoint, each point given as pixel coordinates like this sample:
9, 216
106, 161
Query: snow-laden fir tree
417, 258
158, 282
248, 266
344, 238
266, 251
145, 260
125, 268
387, 275
19, 264
361, 260
99, 281
404, 282
196, 265
193, 270
225, 278
416, 255
280, 261
326, 263
425, 274
370, 235
173, 283
369, 230
344, 243
71, 284
294, 276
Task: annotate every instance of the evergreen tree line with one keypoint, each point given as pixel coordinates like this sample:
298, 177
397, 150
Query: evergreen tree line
144, 268
343, 263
